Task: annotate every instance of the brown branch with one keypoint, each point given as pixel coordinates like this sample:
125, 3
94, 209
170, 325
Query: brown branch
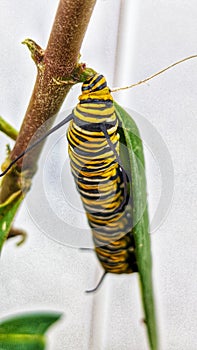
59, 60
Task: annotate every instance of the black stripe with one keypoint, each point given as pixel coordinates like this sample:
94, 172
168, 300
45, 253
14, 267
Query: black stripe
98, 196
85, 146
94, 127
84, 126
89, 168
108, 102
98, 179
91, 85
87, 154
100, 87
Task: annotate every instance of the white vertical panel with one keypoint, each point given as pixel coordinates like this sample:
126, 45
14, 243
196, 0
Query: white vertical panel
126, 41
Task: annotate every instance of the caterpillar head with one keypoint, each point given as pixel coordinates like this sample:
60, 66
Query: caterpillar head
95, 88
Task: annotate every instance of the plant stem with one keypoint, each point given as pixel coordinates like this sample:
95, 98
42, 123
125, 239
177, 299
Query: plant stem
8, 129
59, 60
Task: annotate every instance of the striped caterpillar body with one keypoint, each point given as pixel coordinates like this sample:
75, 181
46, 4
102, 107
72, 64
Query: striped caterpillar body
98, 175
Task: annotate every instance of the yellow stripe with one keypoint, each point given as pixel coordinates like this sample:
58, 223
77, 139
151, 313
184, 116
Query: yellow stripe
103, 94
97, 111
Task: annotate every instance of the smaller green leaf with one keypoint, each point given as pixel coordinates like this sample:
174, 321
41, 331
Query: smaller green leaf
26, 332
8, 210
8, 129
31, 323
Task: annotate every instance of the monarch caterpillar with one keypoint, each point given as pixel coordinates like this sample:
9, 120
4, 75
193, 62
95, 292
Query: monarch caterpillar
93, 138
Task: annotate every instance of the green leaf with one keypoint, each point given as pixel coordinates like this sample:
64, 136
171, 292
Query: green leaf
26, 332
130, 136
8, 129
8, 210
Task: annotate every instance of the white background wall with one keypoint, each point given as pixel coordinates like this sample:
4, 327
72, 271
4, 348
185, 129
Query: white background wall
126, 41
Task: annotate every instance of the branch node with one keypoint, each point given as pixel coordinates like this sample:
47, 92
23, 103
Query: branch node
80, 74
37, 53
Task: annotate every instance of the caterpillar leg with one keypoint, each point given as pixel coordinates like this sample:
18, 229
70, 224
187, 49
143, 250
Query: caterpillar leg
98, 285
87, 249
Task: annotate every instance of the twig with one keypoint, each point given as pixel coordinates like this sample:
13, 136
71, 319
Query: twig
8, 129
